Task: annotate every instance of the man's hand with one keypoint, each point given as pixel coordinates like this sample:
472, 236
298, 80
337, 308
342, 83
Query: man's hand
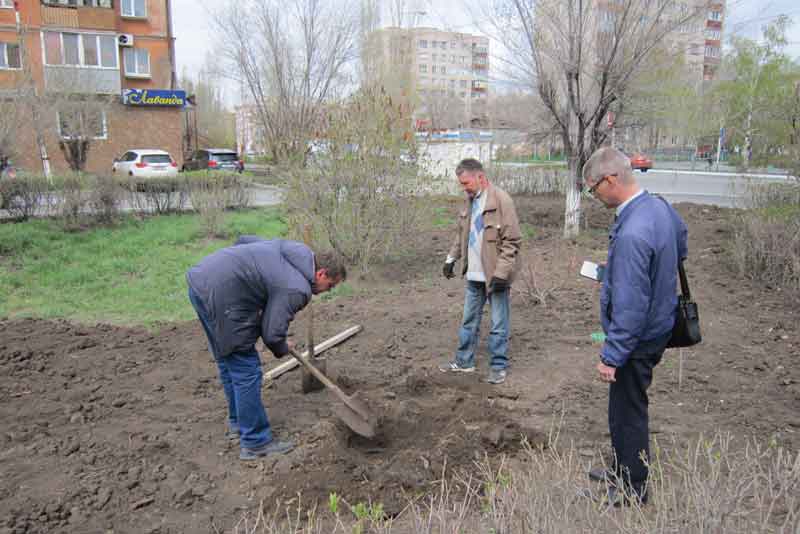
498, 284
290, 344
607, 373
448, 269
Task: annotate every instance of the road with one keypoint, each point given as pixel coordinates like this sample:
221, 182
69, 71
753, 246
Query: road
714, 188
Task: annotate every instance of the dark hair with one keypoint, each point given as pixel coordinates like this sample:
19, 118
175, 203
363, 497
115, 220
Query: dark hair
470, 165
332, 264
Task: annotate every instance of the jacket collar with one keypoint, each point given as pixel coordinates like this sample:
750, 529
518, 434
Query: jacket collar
628, 210
491, 199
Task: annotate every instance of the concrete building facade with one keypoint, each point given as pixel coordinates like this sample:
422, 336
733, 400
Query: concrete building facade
107, 65
444, 74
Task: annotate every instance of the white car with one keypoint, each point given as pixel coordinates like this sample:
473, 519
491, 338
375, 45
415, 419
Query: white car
145, 163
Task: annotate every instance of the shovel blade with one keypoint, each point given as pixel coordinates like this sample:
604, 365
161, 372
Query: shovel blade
311, 383
355, 413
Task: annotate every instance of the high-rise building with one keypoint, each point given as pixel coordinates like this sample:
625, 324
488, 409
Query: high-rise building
444, 74
107, 65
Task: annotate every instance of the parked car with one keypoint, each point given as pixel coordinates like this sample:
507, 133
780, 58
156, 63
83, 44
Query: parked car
214, 159
7, 170
145, 163
641, 162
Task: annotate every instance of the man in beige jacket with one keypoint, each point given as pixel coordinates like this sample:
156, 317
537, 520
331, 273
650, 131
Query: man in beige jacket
488, 239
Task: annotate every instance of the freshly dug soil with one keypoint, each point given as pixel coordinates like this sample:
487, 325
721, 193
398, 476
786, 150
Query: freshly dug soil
111, 428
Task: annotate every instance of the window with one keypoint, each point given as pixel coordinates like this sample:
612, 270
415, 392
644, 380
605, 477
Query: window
80, 49
422, 56
452, 59
86, 3
82, 123
71, 46
442, 69
713, 34
715, 15
452, 44
7, 3
423, 43
712, 51
463, 83
423, 81
9, 56
423, 68
433, 69
134, 8
452, 84
443, 44
137, 62
434, 58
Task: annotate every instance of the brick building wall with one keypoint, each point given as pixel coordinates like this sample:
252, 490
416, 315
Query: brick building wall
126, 128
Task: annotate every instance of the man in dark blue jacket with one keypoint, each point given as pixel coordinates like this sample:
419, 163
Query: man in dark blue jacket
638, 302
250, 290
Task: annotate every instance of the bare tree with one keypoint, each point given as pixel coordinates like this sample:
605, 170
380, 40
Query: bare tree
291, 58
80, 120
581, 57
443, 109
215, 123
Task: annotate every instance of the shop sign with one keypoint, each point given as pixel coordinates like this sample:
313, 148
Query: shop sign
154, 97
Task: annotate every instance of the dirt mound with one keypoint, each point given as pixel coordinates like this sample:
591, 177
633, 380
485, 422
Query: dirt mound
110, 428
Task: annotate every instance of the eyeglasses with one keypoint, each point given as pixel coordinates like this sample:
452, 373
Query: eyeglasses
592, 189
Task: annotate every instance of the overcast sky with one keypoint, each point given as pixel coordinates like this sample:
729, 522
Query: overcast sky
194, 39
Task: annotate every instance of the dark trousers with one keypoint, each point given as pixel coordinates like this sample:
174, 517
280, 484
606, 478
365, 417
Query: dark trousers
241, 376
628, 420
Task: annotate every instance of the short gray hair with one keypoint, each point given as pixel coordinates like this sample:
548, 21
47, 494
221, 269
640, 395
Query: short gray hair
606, 161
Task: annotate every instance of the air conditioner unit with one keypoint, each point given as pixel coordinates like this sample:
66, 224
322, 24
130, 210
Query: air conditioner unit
125, 39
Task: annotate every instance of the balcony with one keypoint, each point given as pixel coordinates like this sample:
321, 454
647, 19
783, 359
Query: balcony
85, 17
61, 16
82, 80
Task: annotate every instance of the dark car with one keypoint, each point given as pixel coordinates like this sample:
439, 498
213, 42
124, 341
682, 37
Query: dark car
214, 159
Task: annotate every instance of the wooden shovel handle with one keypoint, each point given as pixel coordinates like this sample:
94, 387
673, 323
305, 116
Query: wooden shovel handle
322, 378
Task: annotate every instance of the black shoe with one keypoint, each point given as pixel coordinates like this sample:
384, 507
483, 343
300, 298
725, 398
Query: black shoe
601, 474
612, 496
618, 498
273, 447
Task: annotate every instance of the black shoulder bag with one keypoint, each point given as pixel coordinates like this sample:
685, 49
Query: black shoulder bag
686, 331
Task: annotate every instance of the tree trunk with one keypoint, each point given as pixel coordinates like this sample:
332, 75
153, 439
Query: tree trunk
572, 213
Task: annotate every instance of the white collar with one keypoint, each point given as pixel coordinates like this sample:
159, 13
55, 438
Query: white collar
622, 206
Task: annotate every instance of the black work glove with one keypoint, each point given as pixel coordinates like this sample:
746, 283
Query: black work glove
448, 269
498, 284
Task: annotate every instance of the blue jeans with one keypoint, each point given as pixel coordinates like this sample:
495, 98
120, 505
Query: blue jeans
469, 333
240, 374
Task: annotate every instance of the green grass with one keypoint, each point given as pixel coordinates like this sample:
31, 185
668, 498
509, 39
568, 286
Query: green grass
443, 217
528, 231
131, 274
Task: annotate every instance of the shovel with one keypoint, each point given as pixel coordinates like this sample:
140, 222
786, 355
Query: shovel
353, 411
309, 382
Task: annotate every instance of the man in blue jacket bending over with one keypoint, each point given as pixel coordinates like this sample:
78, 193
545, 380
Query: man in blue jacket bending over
253, 289
638, 302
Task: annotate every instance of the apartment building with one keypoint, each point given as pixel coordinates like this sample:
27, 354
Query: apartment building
445, 74
118, 54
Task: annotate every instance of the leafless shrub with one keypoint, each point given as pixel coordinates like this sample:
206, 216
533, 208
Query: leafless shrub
530, 180
209, 199
540, 285
766, 239
158, 196
358, 193
71, 199
25, 196
105, 200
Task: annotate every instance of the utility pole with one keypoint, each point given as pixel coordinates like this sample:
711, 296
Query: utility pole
35, 112
719, 143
